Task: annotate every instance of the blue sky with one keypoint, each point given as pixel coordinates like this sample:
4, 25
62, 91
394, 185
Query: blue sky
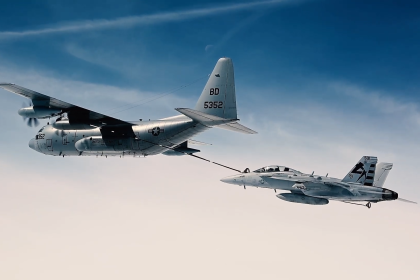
290, 42
322, 81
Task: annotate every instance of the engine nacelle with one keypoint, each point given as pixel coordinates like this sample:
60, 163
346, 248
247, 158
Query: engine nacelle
38, 112
65, 125
301, 198
98, 144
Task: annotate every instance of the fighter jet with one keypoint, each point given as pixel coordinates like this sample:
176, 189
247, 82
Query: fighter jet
364, 183
81, 132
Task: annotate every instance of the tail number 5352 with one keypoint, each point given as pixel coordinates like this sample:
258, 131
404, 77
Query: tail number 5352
213, 104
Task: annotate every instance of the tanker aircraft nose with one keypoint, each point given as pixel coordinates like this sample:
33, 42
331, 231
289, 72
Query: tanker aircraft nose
33, 145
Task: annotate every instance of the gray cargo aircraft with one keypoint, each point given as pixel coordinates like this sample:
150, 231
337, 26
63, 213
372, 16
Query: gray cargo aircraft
364, 183
81, 132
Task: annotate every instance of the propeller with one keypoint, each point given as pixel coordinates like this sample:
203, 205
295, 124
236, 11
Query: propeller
406, 200
29, 121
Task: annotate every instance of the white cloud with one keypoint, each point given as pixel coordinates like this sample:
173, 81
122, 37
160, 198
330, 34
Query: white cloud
128, 22
208, 48
380, 101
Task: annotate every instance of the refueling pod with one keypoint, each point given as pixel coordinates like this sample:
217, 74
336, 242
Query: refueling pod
181, 150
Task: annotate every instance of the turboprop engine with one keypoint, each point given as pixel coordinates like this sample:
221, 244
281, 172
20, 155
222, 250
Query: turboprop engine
38, 112
98, 144
301, 198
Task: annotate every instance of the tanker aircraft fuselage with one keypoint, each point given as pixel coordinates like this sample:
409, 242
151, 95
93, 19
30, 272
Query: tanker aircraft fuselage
81, 132
146, 138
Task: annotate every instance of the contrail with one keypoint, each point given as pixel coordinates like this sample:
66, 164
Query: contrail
131, 21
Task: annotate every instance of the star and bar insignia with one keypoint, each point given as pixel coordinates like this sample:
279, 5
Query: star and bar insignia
156, 131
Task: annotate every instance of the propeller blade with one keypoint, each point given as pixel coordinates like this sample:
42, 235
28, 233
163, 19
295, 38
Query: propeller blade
32, 122
29, 121
406, 200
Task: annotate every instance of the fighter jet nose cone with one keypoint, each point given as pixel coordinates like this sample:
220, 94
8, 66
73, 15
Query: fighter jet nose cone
225, 180
231, 180
32, 144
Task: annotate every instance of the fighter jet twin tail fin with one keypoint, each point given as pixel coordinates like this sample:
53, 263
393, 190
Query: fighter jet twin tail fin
216, 106
363, 172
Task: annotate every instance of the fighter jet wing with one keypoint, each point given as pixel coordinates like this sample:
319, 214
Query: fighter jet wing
312, 185
74, 113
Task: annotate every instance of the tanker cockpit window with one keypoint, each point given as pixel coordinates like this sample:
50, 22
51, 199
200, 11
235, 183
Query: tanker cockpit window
41, 129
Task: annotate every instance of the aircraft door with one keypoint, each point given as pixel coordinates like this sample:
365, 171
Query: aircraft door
65, 139
49, 145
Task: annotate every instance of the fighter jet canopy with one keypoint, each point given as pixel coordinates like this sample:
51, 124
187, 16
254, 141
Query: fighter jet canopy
275, 168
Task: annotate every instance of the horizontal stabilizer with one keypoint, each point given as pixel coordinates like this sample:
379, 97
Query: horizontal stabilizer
210, 120
406, 200
235, 126
195, 142
203, 118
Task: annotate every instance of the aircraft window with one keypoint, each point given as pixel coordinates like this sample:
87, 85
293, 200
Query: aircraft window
41, 129
261, 170
272, 168
286, 169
